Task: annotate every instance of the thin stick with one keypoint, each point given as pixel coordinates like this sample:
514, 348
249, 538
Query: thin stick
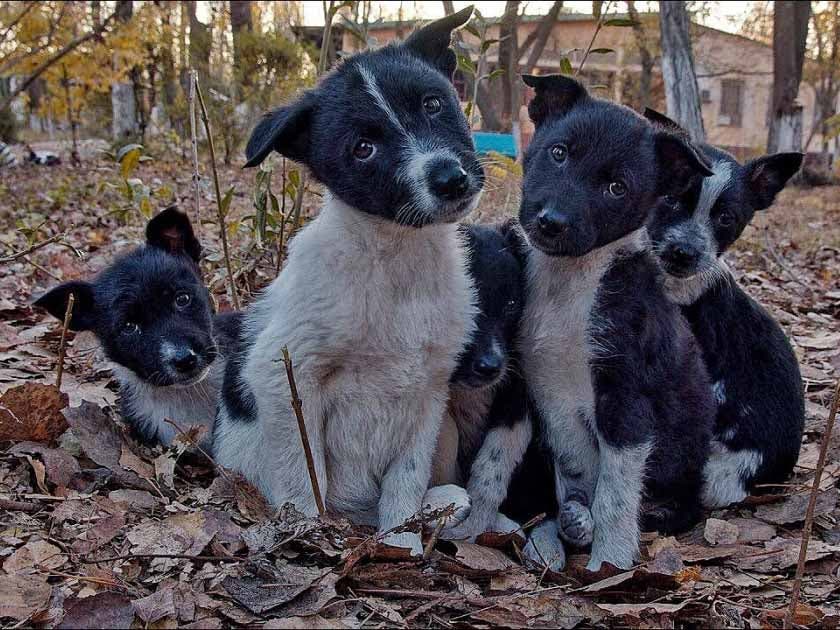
187, 437
598, 26
434, 538
29, 250
809, 513
19, 506
304, 437
221, 216
194, 138
185, 556
59, 373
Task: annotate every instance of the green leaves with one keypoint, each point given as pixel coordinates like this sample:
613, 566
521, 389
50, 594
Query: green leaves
128, 158
619, 22
466, 65
566, 67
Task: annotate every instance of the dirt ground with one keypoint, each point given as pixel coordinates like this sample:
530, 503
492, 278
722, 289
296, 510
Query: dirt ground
97, 531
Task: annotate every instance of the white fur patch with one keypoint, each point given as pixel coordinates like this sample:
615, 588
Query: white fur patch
685, 291
374, 315
725, 474
719, 391
372, 88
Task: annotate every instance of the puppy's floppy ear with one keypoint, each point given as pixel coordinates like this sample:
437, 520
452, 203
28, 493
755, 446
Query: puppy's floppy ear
431, 43
285, 130
658, 118
172, 232
55, 301
555, 95
678, 164
766, 176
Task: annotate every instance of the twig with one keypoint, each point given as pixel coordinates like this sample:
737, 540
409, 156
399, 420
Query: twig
780, 261
177, 556
598, 26
221, 216
304, 437
433, 539
42, 269
20, 506
194, 138
62, 348
29, 250
189, 438
809, 513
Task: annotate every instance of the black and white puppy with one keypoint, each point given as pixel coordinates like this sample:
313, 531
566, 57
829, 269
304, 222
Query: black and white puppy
754, 371
615, 376
487, 431
154, 318
375, 301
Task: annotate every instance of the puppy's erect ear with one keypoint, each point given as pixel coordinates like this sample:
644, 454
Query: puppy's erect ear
678, 164
285, 130
55, 300
658, 118
172, 232
555, 95
766, 176
431, 43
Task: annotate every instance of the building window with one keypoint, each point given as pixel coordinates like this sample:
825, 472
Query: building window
731, 94
706, 96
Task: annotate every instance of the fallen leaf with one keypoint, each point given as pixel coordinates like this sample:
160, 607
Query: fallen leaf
130, 461
753, 530
258, 596
34, 554
99, 533
821, 341
61, 468
477, 558
182, 534
635, 610
156, 606
165, 469
805, 615
793, 508
136, 499
32, 412
21, 595
718, 532
103, 610
783, 553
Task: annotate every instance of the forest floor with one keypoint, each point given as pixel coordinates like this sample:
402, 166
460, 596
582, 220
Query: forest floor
98, 531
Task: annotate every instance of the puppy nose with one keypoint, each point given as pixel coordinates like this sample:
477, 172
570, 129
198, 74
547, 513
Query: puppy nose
449, 181
681, 255
185, 360
488, 365
552, 223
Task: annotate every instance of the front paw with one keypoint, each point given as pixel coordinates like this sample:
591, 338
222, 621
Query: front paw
620, 558
576, 525
405, 540
475, 525
441, 497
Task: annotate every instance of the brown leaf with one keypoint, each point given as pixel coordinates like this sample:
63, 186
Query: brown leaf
101, 441
130, 461
34, 554
258, 596
783, 553
32, 411
23, 595
551, 609
820, 341
165, 469
805, 615
718, 532
156, 606
99, 533
136, 499
61, 467
636, 610
477, 558
793, 508
753, 530
185, 534
103, 610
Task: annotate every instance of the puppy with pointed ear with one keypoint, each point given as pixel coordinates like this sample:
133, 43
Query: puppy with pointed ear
375, 290
154, 319
593, 173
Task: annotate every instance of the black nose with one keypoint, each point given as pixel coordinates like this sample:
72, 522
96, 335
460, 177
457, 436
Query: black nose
449, 181
488, 366
185, 360
552, 223
681, 255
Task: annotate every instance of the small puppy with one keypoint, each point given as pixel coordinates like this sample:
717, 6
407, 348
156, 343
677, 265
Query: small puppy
487, 431
615, 377
755, 374
375, 300
154, 318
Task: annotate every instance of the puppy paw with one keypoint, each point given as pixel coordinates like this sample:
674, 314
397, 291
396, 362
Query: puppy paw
544, 547
576, 524
474, 525
622, 559
441, 497
406, 540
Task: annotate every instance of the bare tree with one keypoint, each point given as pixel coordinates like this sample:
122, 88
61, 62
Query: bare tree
790, 33
123, 104
241, 23
646, 55
682, 96
824, 74
200, 43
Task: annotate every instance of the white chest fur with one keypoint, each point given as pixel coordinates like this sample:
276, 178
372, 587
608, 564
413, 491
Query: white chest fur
374, 316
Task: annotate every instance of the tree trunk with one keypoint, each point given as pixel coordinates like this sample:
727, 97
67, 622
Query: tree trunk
790, 31
240, 23
645, 54
682, 95
509, 60
199, 44
123, 108
540, 39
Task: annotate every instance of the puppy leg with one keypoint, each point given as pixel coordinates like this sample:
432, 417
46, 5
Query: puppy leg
449, 495
445, 468
727, 473
544, 548
406, 480
616, 505
497, 459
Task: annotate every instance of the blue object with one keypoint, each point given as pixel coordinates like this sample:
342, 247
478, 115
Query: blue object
488, 141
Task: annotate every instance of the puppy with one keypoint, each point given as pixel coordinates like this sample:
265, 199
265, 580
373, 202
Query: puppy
615, 377
375, 301
755, 374
154, 318
487, 431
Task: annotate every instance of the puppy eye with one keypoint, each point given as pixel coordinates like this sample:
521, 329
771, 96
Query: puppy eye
364, 150
725, 219
432, 104
182, 300
559, 152
130, 328
617, 189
